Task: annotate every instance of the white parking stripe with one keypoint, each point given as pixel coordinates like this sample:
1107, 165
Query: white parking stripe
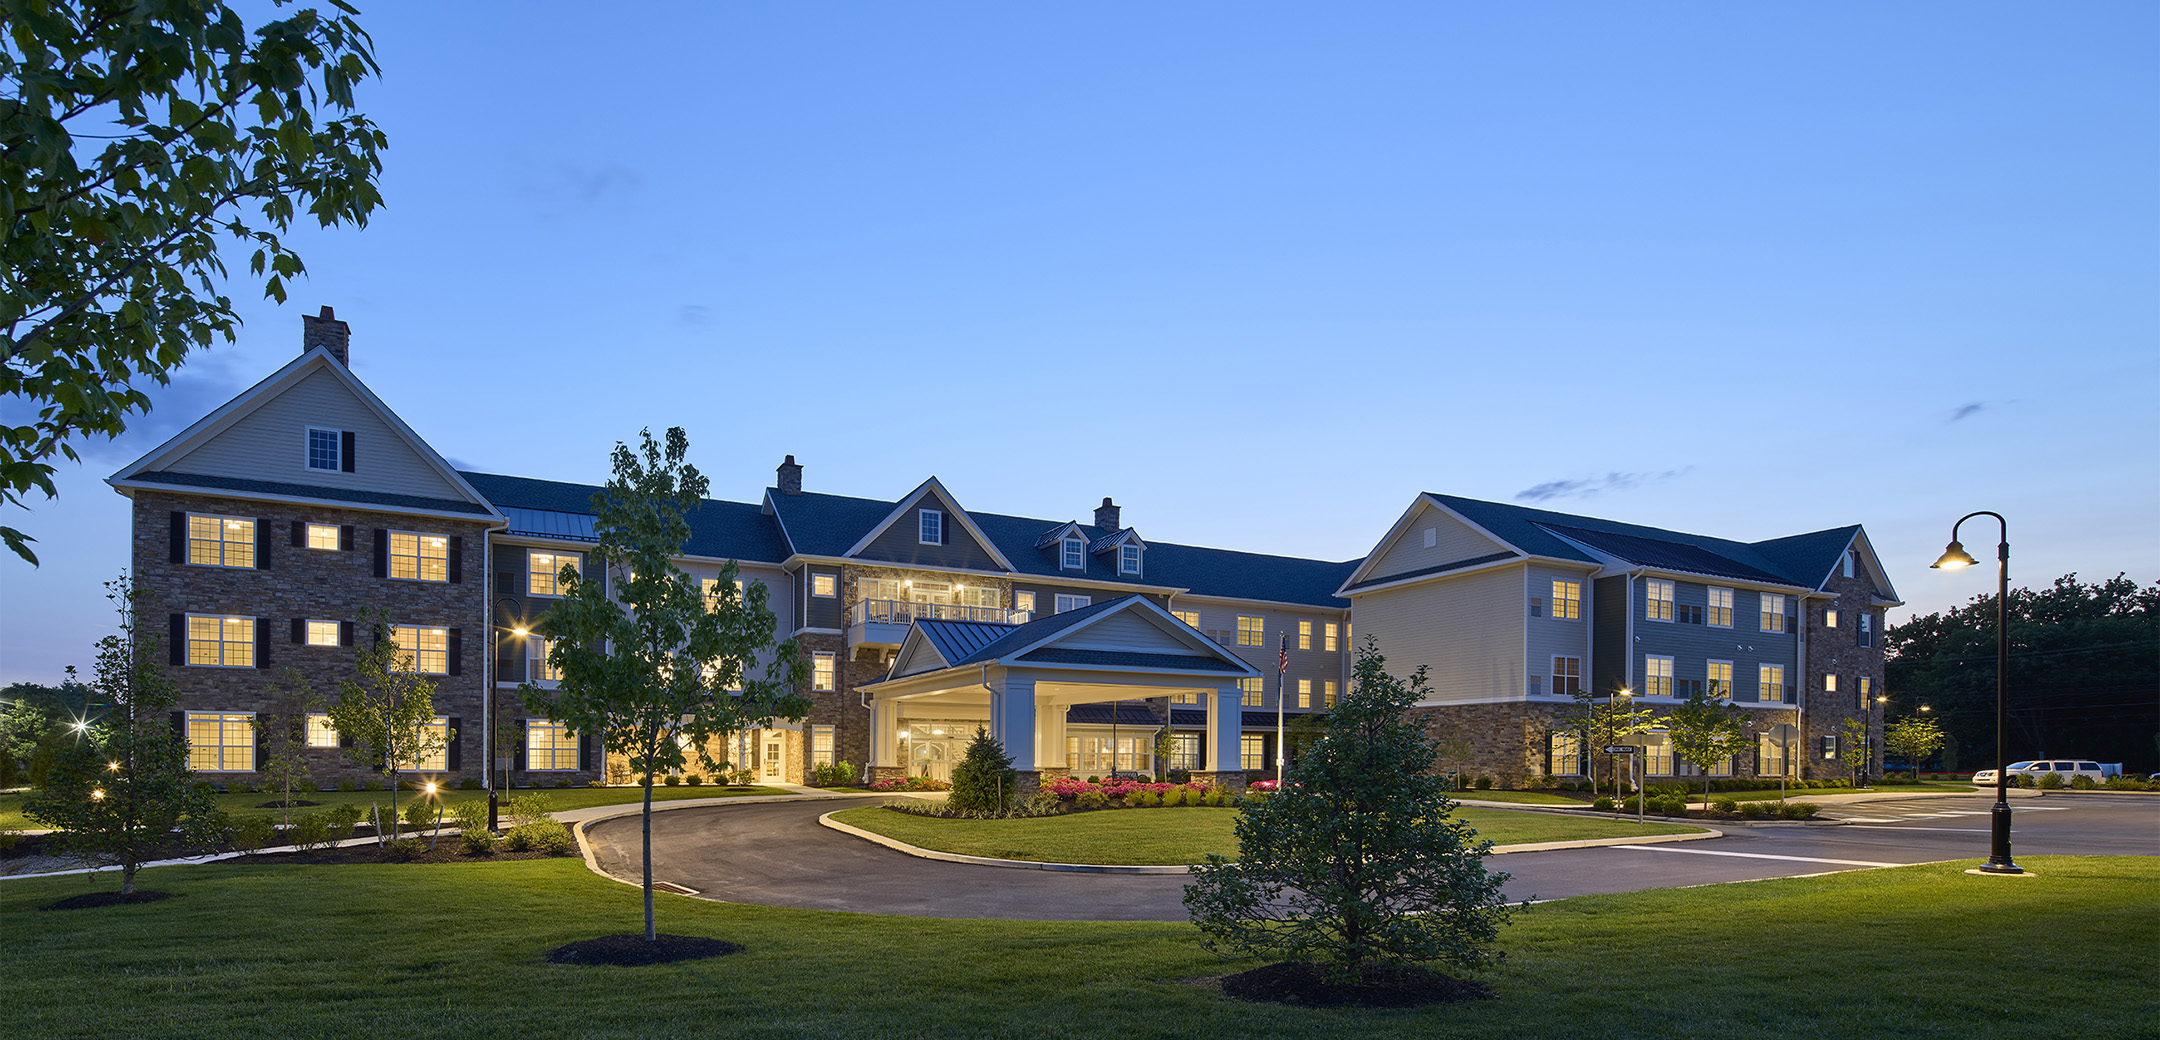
1758, 855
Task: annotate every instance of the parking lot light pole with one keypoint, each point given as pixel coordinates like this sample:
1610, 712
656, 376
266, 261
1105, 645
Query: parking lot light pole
1953, 558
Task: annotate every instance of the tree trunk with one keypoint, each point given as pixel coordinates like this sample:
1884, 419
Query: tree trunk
127, 878
651, 936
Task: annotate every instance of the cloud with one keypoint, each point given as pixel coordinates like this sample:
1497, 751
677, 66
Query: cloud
566, 188
1964, 410
1586, 487
199, 385
694, 314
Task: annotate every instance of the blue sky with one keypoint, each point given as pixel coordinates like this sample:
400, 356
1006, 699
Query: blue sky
1262, 272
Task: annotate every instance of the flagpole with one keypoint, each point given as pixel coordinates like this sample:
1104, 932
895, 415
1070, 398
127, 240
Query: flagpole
1282, 668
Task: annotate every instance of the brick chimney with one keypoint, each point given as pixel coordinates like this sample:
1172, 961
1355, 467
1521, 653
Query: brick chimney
1106, 515
790, 473
327, 331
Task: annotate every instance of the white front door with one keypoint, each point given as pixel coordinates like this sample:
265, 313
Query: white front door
772, 764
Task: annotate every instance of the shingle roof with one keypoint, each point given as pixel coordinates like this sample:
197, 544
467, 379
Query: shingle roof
1542, 532
274, 487
1809, 557
1197, 717
718, 530
1101, 714
1438, 568
1668, 555
1127, 659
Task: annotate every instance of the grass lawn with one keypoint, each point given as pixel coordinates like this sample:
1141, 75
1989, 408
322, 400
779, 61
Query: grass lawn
247, 952
1520, 797
559, 799
1180, 835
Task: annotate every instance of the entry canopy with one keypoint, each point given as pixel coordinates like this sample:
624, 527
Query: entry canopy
1129, 634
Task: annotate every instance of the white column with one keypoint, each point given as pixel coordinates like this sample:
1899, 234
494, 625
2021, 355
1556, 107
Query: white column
1225, 724
1049, 733
884, 733
1012, 720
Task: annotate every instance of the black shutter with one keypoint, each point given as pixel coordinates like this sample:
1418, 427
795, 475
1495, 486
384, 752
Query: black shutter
345, 453
457, 651
456, 757
585, 753
344, 739
177, 652
262, 642
299, 631
344, 633
524, 757
457, 560
177, 534
299, 534
382, 553
262, 739
262, 545
344, 538
179, 725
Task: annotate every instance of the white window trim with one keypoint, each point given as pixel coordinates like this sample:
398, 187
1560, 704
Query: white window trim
390, 557
925, 518
1710, 606
189, 652
567, 733
559, 558
832, 671
336, 632
1128, 553
187, 725
415, 650
1651, 599
832, 586
254, 540
1072, 554
310, 728
1708, 690
337, 436
308, 538
1067, 601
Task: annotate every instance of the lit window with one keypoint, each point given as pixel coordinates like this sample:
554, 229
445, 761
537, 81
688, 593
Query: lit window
221, 742
1720, 607
1184, 697
824, 585
419, 557
1566, 599
322, 633
1719, 674
437, 736
323, 536
1065, 602
1657, 676
930, 525
1566, 676
1327, 694
221, 541
821, 745
1190, 617
320, 731
544, 571
1023, 607
1657, 754
1252, 751
221, 642
1658, 599
1251, 631
1829, 619
1770, 683
1185, 751
1128, 559
422, 650
1254, 690
1829, 684
1769, 757
322, 448
821, 670
549, 746
1073, 556
1773, 612
538, 668
1304, 693
1327, 637
1304, 635
1565, 752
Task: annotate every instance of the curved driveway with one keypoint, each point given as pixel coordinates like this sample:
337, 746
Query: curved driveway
776, 854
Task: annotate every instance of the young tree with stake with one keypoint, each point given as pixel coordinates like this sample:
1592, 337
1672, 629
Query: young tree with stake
387, 713
1706, 732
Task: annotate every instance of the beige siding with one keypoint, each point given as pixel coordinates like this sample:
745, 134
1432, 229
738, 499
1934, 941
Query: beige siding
923, 658
1468, 631
1126, 631
270, 444
1452, 541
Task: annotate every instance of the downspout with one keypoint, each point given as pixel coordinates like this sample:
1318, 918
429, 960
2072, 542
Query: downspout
1800, 686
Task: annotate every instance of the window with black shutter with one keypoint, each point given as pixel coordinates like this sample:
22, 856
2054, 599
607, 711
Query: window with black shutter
585, 753
262, 545
457, 560
344, 537
345, 457
263, 626
177, 535
299, 534
345, 633
382, 552
176, 640
262, 739
299, 631
455, 757
457, 651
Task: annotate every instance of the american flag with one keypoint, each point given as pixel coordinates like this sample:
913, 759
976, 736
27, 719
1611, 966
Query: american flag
1282, 656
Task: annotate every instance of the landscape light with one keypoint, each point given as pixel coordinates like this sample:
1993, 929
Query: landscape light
98, 795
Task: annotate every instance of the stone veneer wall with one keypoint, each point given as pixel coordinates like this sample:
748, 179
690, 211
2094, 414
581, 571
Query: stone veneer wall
1508, 741
1836, 651
318, 584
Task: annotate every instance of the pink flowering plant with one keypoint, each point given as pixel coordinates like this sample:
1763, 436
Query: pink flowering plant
1073, 787
909, 783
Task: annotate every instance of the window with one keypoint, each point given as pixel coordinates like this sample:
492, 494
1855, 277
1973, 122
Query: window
1251, 631
220, 642
821, 746
1537, 606
710, 588
1773, 612
419, 557
1657, 755
320, 731
930, 527
549, 746
821, 670
1184, 697
538, 668
422, 650
1829, 684
322, 448
323, 536
1657, 676
322, 633
1658, 599
1128, 559
824, 586
1190, 617
1327, 637
1565, 752
1432, 537
1068, 602
1255, 691
1850, 556
1829, 619
1685, 688
1327, 694
1566, 599
1304, 693
438, 757
1687, 614
1769, 757
1566, 676
1720, 676
1866, 692
1720, 608
1185, 751
1072, 555
1024, 602
220, 541
1770, 683
221, 742
1304, 635
545, 571
1867, 630
1252, 751
1537, 685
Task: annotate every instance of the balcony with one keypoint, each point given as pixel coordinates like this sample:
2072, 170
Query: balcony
884, 622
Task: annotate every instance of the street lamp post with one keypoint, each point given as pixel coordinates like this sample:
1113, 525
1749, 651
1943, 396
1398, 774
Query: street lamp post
1953, 558
487, 769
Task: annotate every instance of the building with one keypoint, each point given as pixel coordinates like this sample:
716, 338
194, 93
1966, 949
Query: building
279, 529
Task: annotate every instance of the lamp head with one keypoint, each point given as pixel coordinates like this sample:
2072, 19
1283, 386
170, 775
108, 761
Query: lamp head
1926, 708
520, 631
1954, 558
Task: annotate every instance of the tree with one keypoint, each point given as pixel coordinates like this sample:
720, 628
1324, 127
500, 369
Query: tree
1356, 861
119, 794
137, 141
1611, 722
1854, 750
1706, 731
1914, 737
282, 734
984, 778
386, 715
655, 666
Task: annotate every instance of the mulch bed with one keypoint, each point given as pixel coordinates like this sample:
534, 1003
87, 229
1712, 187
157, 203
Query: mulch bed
113, 898
1385, 985
297, 803
631, 950
448, 850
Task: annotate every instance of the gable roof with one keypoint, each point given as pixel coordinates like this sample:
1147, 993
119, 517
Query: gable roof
964, 643
930, 488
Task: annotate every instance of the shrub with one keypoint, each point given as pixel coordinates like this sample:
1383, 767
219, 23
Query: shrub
2051, 781
1143, 799
252, 833
342, 820
543, 836
305, 786
2082, 782
404, 850
1092, 799
478, 841
470, 783
1484, 783
310, 831
1042, 803
527, 808
1755, 810
984, 778
672, 780
419, 812
1724, 806
1181, 776
1094, 780
1602, 803
694, 780
1798, 810
1218, 798
470, 815
371, 785
1668, 805
563, 784
347, 785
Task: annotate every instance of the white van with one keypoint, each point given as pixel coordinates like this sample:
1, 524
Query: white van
2068, 767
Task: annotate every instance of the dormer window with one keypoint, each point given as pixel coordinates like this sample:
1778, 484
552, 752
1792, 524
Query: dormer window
930, 524
1128, 559
1073, 556
329, 450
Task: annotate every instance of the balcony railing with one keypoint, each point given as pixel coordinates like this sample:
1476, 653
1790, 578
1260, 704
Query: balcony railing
901, 612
